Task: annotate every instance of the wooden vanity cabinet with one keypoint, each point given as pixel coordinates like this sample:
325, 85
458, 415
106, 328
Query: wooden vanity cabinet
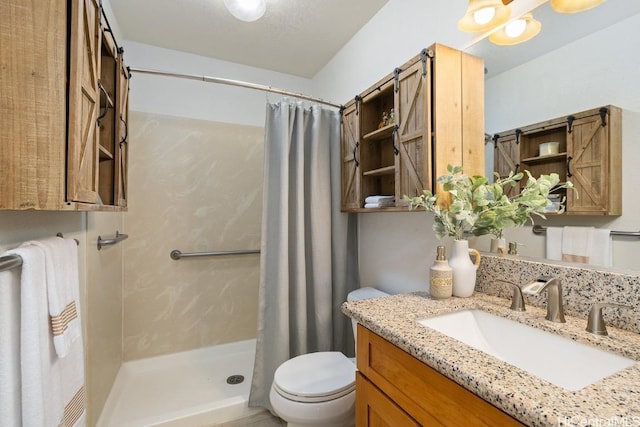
64, 98
395, 389
437, 101
589, 155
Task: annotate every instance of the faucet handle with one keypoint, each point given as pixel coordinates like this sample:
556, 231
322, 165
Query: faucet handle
517, 301
595, 322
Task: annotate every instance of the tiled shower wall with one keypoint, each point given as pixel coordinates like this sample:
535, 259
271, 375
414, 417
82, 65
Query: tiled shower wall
194, 186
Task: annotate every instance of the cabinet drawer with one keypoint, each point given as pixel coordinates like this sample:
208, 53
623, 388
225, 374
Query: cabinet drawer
373, 408
422, 392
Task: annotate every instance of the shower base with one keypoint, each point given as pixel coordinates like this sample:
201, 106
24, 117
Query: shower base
186, 389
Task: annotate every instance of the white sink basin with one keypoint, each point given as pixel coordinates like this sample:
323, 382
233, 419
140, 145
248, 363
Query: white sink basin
559, 360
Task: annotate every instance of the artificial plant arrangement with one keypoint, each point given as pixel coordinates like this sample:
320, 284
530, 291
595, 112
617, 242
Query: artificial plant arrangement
480, 207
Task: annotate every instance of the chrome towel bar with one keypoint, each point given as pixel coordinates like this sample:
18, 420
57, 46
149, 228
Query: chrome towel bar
538, 229
176, 254
12, 261
116, 238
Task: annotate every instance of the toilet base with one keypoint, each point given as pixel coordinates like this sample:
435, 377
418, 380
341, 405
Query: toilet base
339, 412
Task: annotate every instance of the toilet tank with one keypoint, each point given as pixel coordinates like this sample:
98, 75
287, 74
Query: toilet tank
363, 293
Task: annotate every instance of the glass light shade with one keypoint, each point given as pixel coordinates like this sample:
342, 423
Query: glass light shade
246, 10
574, 6
483, 15
516, 32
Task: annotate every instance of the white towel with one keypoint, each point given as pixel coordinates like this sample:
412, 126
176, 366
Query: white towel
576, 244
601, 247
554, 243
381, 204
10, 412
61, 268
53, 391
376, 199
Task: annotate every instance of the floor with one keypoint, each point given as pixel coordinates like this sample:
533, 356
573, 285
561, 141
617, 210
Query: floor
264, 419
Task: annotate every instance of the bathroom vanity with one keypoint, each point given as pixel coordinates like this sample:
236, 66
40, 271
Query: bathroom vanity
410, 374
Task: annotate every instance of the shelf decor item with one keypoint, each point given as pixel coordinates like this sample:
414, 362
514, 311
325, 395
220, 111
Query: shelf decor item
478, 207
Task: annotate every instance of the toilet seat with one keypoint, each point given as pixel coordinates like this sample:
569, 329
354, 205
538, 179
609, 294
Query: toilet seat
315, 377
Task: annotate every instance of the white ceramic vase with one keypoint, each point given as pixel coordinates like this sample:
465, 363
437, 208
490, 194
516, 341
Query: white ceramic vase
499, 245
464, 270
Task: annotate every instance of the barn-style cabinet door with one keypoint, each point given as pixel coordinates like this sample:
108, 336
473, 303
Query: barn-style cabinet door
412, 135
594, 163
84, 101
506, 159
350, 145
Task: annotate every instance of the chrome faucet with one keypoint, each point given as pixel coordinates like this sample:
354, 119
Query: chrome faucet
595, 322
555, 308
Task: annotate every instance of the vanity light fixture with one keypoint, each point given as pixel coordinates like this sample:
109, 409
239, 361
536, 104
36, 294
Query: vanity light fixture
483, 15
574, 6
517, 31
246, 10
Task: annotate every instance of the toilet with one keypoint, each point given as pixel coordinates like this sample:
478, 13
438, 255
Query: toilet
318, 389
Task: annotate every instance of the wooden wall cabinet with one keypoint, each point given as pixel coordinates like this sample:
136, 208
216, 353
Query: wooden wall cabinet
65, 100
437, 101
395, 389
589, 155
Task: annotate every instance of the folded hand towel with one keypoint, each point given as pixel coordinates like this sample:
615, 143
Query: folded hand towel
576, 244
53, 392
601, 248
61, 269
376, 199
554, 243
380, 204
10, 412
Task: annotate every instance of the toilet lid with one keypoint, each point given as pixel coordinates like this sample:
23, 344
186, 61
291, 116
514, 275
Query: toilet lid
315, 377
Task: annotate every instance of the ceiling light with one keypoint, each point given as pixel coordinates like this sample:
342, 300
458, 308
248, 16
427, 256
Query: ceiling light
574, 6
517, 31
483, 15
246, 10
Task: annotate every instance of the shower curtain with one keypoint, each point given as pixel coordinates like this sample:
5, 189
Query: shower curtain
309, 248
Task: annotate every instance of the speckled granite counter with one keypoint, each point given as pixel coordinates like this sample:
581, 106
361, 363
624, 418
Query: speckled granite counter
614, 400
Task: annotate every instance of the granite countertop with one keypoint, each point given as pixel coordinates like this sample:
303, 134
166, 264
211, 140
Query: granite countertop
614, 400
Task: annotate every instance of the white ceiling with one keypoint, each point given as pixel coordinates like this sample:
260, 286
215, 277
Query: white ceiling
295, 36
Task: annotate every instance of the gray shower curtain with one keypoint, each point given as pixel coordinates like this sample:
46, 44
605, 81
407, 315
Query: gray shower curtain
309, 248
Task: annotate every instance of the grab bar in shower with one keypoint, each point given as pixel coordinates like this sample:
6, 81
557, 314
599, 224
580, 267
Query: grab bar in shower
176, 254
538, 229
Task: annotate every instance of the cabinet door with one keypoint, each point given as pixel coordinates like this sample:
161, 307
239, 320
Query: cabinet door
412, 139
84, 101
373, 408
350, 163
506, 159
122, 134
588, 166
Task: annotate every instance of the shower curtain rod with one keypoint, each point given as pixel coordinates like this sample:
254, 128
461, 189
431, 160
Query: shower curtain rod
234, 83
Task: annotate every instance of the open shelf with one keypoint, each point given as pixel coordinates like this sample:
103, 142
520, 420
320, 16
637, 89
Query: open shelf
380, 134
541, 159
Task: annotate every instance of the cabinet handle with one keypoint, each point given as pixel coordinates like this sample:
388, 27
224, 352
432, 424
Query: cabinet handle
393, 140
517, 167
126, 130
569, 174
106, 102
355, 159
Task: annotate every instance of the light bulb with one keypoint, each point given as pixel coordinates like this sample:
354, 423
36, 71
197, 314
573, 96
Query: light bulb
246, 10
515, 28
484, 15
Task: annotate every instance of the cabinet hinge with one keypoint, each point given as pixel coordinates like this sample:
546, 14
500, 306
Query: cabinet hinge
357, 99
495, 140
341, 114
603, 115
424, 54
570, 120
518, 133
396, 79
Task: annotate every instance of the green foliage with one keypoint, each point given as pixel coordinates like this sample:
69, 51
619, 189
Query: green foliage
479, 207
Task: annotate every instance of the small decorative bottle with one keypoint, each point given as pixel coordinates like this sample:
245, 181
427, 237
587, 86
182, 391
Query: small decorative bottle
441, 283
